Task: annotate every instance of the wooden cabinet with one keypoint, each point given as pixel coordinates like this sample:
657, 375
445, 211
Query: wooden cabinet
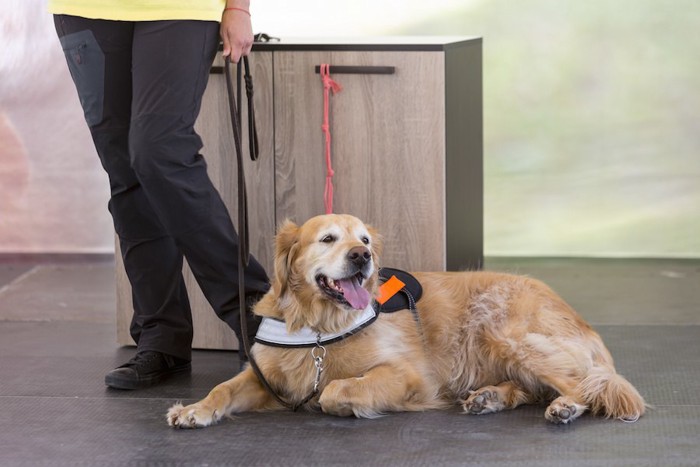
407, 153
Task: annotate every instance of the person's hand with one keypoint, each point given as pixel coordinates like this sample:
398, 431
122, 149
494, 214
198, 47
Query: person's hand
236, 30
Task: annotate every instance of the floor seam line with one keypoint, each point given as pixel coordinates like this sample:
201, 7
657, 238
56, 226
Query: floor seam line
18, 280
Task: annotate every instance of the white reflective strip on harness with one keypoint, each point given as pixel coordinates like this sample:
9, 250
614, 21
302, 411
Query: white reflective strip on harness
274, 332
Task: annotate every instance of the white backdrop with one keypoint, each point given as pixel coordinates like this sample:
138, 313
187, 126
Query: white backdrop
53, 192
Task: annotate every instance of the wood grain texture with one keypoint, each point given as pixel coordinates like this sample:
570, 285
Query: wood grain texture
125, 308
388, 148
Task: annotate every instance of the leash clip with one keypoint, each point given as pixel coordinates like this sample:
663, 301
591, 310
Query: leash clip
318, 353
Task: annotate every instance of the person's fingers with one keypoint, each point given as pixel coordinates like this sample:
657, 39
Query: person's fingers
237, 36
248, 47
227, 44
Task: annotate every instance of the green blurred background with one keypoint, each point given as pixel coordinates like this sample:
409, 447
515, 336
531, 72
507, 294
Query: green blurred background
591, 113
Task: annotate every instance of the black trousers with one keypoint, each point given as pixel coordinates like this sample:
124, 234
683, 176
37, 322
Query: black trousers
141, 85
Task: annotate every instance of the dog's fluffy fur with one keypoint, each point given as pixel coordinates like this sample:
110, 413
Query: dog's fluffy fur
487, 341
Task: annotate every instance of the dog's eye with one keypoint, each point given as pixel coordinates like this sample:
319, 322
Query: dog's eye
365, 240
328, 239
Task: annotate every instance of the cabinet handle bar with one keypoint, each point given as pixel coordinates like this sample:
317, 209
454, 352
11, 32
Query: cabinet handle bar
337, 69
359, 70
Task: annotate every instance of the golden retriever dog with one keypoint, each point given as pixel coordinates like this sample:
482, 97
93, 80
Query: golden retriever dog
487, 341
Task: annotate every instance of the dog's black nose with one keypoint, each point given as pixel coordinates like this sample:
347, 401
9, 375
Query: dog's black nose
359, 256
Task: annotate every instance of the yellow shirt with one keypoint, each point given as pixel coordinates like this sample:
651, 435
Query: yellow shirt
140, 10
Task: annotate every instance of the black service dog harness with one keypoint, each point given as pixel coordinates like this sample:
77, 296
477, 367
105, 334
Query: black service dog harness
400, 291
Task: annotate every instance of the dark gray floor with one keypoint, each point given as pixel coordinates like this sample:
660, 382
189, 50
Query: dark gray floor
57, 340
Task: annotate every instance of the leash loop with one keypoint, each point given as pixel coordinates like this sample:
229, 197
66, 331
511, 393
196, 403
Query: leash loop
252, 127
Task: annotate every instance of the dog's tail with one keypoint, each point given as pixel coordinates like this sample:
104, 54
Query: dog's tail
610, 394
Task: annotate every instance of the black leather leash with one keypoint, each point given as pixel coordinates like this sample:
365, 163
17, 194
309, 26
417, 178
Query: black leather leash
244, 243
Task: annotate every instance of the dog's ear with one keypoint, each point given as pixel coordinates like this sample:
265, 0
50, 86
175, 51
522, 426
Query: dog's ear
377, 243
286, 245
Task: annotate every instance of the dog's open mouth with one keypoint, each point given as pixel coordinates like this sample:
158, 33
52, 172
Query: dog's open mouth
348, 291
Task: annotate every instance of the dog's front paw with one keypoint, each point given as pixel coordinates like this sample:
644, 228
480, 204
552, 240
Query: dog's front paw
342, 398
563, 410
192, 416
334, 400
483, 401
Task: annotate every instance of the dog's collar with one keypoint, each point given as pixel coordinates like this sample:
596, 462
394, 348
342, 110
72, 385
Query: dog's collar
274, 332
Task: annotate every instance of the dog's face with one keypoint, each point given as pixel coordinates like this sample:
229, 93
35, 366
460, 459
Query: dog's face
325, 270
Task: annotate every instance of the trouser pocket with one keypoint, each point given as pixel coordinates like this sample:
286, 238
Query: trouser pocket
86, 63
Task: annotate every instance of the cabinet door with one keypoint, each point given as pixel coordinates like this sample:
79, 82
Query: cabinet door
214, 126
388, 147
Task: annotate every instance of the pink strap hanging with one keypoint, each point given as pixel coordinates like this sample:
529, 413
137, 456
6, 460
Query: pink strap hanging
328, 85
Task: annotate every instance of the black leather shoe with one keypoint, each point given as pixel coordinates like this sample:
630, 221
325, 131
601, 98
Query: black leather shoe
146, 369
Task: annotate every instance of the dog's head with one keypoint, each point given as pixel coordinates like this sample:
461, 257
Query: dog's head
325, 271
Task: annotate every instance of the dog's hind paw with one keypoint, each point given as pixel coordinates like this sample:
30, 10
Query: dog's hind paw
192, 416
483, 401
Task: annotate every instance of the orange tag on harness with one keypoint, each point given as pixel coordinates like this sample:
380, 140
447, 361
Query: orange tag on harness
389, 289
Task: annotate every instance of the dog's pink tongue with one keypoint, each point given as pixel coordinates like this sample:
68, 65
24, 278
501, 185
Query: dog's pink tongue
354, 293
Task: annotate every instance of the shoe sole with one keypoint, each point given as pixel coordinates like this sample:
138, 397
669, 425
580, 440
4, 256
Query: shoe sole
125, 383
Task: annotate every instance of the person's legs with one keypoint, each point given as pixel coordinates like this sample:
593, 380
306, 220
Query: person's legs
141, 86
171, 63
99, 55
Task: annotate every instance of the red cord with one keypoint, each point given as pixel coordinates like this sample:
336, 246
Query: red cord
328, 85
